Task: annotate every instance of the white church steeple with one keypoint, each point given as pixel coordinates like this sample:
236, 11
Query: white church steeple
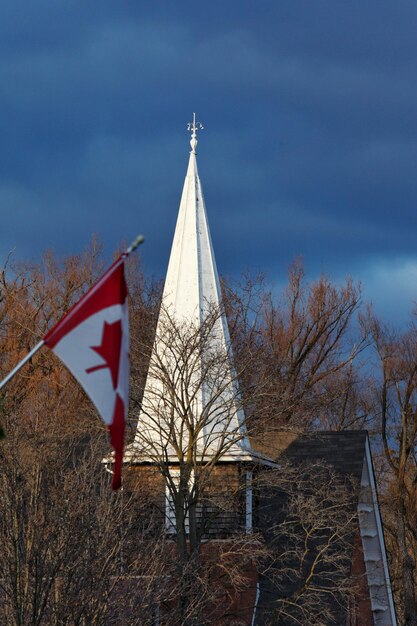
192, 281
191, 296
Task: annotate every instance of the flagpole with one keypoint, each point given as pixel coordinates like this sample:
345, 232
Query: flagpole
21, 364
139, 239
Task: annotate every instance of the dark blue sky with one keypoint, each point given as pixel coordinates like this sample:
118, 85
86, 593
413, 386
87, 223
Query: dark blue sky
309, 147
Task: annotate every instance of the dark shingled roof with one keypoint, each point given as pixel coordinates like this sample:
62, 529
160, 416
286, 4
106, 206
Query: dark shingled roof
342, 450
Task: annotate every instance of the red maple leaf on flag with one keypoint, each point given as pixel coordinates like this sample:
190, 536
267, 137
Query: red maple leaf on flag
109, 350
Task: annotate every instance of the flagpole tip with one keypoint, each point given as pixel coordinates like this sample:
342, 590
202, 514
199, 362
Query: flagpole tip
139, 239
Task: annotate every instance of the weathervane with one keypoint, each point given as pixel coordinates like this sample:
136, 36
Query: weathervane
193, 127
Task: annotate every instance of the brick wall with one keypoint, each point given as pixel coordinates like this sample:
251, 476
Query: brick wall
360, 611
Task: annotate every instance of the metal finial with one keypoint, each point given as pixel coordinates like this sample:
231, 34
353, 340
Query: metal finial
193, 127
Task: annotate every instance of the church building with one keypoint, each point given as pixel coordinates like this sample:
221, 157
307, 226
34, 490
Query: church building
193, 447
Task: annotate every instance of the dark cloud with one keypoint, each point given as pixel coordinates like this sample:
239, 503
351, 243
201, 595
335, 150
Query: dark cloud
310, 142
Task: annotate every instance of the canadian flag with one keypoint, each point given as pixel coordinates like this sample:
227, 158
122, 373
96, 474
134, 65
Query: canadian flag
92, 339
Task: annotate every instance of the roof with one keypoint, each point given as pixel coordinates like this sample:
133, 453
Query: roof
344, 450
348, 454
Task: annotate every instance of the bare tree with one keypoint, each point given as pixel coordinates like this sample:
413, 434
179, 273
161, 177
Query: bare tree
309, 516
306, 344
397, 409
65, 537
191, 419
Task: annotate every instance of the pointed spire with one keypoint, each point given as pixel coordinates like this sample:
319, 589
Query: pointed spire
191, 293
192, 282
